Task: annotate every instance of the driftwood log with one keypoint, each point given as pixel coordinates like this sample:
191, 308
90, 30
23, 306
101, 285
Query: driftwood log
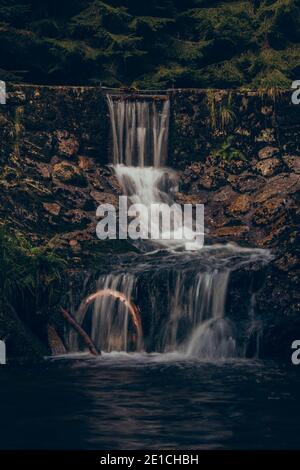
81, 332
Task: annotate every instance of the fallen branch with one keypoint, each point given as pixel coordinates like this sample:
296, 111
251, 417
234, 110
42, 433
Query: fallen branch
132, 308
81, 331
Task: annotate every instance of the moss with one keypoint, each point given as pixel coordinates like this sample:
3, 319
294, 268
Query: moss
29, 289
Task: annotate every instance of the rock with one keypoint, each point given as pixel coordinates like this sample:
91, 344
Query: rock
16, 98
213, 178
292, 162
267, 110
75, 246
191, 173
268, 152
287, 262
268, 167
206, 182
105, 198
240, 205
86, 163
224, 195
69, 173
214, 216
196, 169
269, 211
200, 198
236, 166
246, 182
68, 145
234, 231
3, 121
77, 217
243, 132
39, 146
43, 170
52, 208
114, 184
266, 135
281, 184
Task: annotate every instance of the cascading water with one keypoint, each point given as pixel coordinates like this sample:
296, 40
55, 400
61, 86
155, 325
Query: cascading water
182, 294
140, 131
140, 147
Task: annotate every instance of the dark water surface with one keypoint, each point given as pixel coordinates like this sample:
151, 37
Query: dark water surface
149, 402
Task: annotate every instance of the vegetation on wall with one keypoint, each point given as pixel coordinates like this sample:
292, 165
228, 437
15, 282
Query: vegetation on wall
157, 44
30, 280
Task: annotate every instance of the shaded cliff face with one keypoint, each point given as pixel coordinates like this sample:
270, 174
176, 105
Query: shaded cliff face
236, 153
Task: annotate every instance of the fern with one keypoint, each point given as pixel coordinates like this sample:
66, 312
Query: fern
228, 152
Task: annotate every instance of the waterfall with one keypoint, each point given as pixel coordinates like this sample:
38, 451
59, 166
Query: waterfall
181, 294
111, 321
140, 130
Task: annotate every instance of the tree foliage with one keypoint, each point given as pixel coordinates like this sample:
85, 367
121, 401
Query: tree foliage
157, 44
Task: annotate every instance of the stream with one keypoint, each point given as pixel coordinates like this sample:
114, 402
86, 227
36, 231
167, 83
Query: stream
149, 401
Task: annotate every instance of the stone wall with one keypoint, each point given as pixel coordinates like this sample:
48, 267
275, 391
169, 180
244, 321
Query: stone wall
53, 152
204, 119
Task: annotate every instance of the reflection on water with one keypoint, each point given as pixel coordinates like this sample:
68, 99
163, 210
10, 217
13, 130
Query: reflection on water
154, 401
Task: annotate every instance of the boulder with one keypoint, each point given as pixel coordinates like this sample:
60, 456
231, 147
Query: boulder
52, 208
224, 195
271, 209
293, 163
240, 205
69, 173
68, 145
278, 185
268, 167
268, 152
246, 182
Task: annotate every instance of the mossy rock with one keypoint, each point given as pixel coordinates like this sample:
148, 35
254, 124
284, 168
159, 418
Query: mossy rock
69, 173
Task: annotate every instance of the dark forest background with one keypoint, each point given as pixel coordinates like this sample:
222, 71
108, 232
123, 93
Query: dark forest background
151, 43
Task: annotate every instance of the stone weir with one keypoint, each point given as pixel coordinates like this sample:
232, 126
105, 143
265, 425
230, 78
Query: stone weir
236, 152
